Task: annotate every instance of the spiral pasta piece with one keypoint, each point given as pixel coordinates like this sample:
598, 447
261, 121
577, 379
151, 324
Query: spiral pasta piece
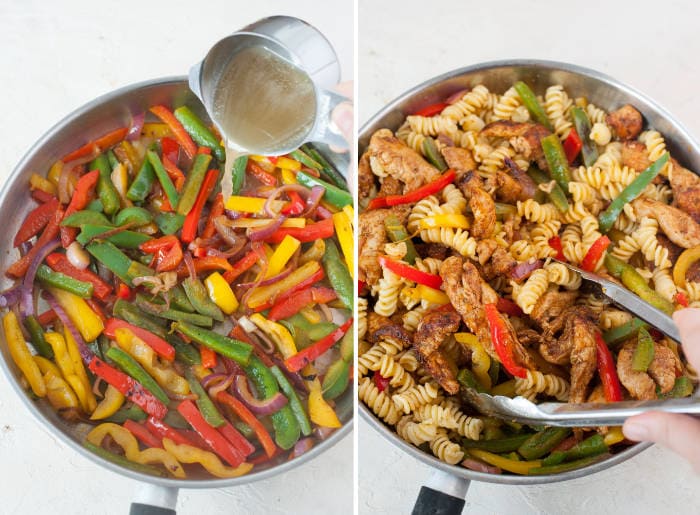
448, 415
454, 201
409, 360
589, 231
600, 134
583, 192
533, 211
388, 299
611, 318
361, 317
400, 378
571, 243
527, 295
446, 450
595, 177
377, 401
458, 240
625, 248
558, 273
412, 318
557, 104
416, 433
595, 114
663, 283
645, 237
472, 122
371, 359
576, 212
470, 103
538, 383
656, 147
432, 125
495, 160
507, 105
416, 396
523, 251
424, 208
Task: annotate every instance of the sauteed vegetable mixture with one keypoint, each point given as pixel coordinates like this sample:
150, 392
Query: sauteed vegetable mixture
192, 331
463, 210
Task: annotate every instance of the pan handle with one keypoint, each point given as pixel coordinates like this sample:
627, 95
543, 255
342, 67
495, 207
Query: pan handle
442, 495
154, 500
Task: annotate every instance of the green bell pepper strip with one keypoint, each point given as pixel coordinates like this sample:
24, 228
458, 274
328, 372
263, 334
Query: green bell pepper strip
135, 215
184, 352
589, 150
432, 154
36, 333
105, 187
130, 366
347, 347
591, 446
95, 205
129, 312
636, 187
321, 330
171, 314
557, 161
199, 297
84, 217
333, 195
564, 467
143, 182
305, 159
117, 262
542, 442
287, 429
120, 460
336, 380
294, 403
338, 274
637, 284
112, 159
397, 232
508, 444
123, 239
200, 133
532, 104
64, 282
193, 183
466, 378
169, 223
683, 387
204, 403
245, 430
133, 412
557, 195
623, 332
238, 174
163, 177
326, 169
179, 300
236, 350
644, 352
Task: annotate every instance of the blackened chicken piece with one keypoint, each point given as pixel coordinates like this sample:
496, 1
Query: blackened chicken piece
626, 122
481, 203
431, 333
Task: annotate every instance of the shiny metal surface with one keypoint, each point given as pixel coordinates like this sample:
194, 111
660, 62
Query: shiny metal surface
498, 76
94, 119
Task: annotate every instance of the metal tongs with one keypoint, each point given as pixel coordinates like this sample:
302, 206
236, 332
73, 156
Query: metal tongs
563, 414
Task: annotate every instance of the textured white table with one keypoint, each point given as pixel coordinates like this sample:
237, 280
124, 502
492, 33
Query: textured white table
649, 45
55, 57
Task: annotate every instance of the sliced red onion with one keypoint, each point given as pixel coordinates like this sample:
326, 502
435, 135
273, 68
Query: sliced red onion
456, 96
301, 447
258, 248
136, 126
85, 353
205, 242
323, 213
231, 366
271, 280
445, 140
221, 386
313, 200
480, 466
265, 342
523, 270
11, 296
268, 230
26, 306
67, 172
96, 387
24, 248
234, 215
190, 265
298, 188
227, 233
212, 379
266, 407
323, 432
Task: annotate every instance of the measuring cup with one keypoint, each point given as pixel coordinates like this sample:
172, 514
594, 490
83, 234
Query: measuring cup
298, 43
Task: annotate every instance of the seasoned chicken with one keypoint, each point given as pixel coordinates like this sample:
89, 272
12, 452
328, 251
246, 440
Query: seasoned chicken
673, 250
481, 203
389, 156
431, 333
680, 228
375, 322
597, 395
390, 331
390, 186
640, 385
485, 249
433, 250
551, 305
459, 159
626, 122
686, 191
525, 138
371, 240
664, 368
635, 155
514, 186
366, 187
584, 355
501, 262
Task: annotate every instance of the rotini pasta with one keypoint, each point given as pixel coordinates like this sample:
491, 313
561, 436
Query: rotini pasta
557, 104
447, 451
378, 401
527, 295
416, 396
538, 383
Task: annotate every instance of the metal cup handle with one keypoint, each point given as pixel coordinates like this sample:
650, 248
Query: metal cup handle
442, 495
325, 130
153, 499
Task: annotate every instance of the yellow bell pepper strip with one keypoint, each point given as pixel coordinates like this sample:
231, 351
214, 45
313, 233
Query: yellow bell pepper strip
614, 436
343, 230
350, 212
58, 392
79, 370
288, 164
156, 130
423, 292
264, 295
481, 362
282, 254
21, 355
687, 258
252, 204
37, 182
252, 223
278, 333
517, 467
67, 367
85, 319
314, 252
452, 220
110, 404
46, 366
208, 460
288, 177
221, 293
165, 376
319, 410
507, 388
312, 316
128, 442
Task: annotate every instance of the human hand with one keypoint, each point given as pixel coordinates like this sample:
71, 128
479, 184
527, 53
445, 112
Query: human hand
680, 433
343, 115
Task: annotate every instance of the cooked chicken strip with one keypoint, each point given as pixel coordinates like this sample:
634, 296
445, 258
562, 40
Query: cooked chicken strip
459, 159
635, 155
390, 331
584, 355
686, 191
664, 367
366, 186
640, 385
680, 228
481, 203
551, 305
431, 333
390, 186
525, 138
371, 240
626, 122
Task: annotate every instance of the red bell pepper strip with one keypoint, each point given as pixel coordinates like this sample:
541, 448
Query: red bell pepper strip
236, 439
102, 143
128, 387
304, 357
19, 267
170, 148
155, 342
296, 204
415, 195
208, 357
592, 257
181, 135
320, 274
207, 263
47, 317
163, 430
215, 441
167, 252
174, 173
260, 174
189, 227
412, 274
572, 145
123, 291
607, 371
60, 263
241, 266
249, 418
288, 307
555, 243
381, 382
319, 230
431, 110
217, 209
42, 196
79, 200
682, 299
499, 337
35, 221
508, 307
142, 433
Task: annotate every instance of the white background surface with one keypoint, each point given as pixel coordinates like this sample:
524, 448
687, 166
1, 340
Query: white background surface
54, 57
654, 47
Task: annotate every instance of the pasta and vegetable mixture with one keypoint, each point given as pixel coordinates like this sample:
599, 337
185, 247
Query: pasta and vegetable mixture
465, 209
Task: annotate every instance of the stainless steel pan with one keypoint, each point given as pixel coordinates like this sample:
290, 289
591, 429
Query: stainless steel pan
94, 119
498, 76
